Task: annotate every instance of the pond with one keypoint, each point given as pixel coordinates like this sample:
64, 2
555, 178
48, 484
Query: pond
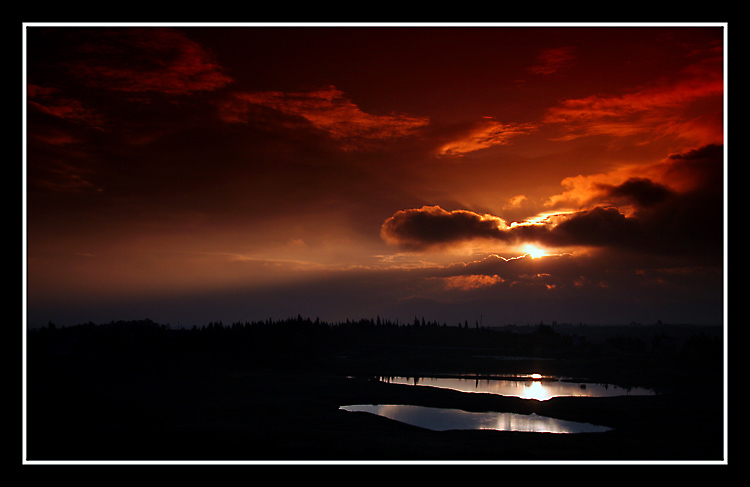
441, 419
531, 386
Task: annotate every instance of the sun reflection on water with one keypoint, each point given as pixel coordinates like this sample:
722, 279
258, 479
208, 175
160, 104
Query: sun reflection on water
526, 386
536, 390
442, 419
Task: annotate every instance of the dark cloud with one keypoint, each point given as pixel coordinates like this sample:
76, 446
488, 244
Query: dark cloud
699, 170
431, 226
552, 60
141, 60
640, 191
596, 227
48, 101
690, 220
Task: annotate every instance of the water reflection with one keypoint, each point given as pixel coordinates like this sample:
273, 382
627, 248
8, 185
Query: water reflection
533, 386
440, 419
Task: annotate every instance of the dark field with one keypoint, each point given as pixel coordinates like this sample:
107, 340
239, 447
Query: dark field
271, 392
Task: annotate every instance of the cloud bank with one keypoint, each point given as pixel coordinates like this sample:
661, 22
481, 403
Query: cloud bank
640, 214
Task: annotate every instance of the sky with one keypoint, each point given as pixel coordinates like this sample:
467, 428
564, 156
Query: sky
502, 174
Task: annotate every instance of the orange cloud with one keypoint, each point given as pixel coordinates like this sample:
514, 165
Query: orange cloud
483, 135
467, 283
326, 109
516, 201
657, 110
692, 170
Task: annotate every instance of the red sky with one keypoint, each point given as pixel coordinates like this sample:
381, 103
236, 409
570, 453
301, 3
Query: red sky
190, 174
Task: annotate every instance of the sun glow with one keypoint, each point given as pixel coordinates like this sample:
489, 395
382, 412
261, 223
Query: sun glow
534, 252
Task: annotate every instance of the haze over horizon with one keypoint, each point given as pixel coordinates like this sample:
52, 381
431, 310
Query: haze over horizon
189, 174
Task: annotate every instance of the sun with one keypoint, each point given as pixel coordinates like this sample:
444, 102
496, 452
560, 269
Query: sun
534, 252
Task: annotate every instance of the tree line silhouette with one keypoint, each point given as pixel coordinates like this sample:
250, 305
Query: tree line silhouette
299, 339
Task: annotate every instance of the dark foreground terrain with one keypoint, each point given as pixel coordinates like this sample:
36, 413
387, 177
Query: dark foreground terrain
272, 391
